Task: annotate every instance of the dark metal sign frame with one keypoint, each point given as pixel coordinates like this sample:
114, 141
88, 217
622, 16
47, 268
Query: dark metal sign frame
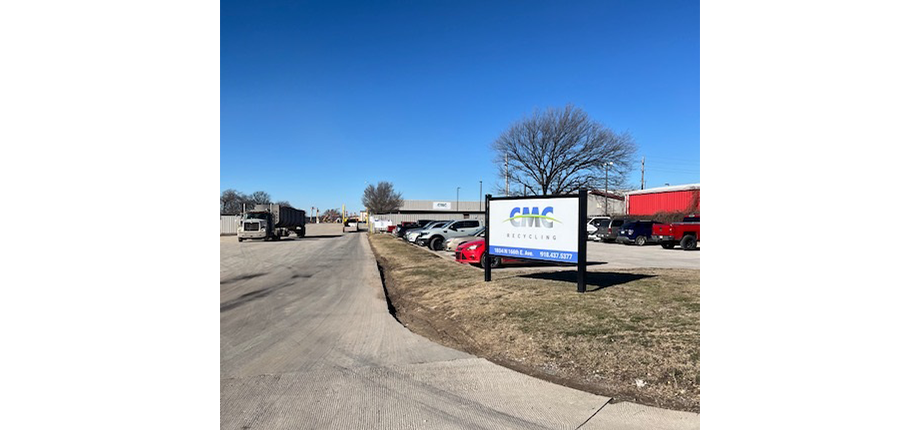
582, 234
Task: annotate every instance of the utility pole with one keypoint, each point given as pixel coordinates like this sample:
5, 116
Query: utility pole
643, 174
506, 174
606, 186
480, 195
458, 200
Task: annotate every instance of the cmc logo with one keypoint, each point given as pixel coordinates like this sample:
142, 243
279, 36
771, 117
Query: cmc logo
532, 217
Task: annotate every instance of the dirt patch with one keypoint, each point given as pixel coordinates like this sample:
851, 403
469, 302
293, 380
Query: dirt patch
633, 337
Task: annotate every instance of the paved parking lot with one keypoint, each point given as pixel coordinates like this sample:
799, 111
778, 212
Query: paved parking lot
618, 256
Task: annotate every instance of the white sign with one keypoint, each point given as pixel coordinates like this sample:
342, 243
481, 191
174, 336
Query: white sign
538, 229
441, 206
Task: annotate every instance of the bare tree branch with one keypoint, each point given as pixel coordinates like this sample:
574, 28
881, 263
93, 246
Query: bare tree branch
558, 151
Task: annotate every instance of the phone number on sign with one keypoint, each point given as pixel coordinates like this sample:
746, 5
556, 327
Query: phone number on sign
557, 255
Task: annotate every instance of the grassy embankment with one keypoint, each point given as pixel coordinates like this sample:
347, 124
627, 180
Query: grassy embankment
634, 336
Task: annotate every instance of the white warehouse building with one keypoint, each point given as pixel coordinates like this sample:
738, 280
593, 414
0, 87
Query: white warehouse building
414, 210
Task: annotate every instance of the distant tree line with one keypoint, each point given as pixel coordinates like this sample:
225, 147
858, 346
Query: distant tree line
231, 201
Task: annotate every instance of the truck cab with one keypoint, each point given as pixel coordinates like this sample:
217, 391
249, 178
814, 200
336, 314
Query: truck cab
686, 233
254, 225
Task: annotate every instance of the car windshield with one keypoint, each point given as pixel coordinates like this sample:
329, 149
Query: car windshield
628, 225
480, 232
256, 216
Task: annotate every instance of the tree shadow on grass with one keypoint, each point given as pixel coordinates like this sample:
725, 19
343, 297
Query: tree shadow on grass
599, 280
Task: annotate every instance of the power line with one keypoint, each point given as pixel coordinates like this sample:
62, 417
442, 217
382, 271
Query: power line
664, 169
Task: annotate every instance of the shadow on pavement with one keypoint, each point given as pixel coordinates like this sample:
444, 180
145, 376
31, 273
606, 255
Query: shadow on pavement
599, 280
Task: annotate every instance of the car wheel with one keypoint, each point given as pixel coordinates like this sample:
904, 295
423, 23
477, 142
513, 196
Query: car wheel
688, 243
436, 243
667, 245
640, 241
496, 261
240, 239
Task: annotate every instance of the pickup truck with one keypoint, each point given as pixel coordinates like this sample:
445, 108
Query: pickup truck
686, 233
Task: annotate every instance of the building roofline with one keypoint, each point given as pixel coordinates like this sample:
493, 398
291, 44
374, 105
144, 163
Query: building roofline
687, 187
609, 194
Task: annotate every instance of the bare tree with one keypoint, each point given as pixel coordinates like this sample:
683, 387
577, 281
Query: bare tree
231, 202
381, 199
259, 198
558, 151
331, 215
284, 203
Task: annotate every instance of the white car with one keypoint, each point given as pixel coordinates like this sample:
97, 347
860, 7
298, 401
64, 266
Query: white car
593, 223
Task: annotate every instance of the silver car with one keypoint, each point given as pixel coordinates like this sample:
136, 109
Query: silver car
452, 243
413, 235
436, 236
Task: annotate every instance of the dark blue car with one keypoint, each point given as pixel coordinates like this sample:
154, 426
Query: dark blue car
636, 232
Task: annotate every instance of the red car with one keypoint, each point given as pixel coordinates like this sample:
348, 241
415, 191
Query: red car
473, 252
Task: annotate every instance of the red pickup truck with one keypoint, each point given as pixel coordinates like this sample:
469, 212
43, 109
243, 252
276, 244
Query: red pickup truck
686, 233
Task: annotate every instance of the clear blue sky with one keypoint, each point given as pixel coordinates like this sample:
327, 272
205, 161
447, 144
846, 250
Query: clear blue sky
318, 98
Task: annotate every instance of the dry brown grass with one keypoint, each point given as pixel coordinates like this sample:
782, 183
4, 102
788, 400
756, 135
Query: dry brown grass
631, 325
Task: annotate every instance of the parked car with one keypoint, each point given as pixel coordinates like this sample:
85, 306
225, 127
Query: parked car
602, 232
414, 233
473, 252
608, 231
686, 233
452, 243
403, 227
435, 237
594, 224
636, 232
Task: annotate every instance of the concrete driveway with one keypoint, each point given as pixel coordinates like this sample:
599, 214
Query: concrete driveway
307, 342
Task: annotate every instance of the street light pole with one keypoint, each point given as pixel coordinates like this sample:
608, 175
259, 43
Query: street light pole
458, 200
606, 186
480, 195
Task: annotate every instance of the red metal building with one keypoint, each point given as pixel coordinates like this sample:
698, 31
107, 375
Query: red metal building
679, 198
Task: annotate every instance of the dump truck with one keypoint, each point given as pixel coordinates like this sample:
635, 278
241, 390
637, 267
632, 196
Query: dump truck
271, 222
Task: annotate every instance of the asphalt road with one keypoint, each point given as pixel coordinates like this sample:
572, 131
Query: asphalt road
307, 342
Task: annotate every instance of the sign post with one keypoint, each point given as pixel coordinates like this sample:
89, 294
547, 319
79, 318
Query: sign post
582, 238
543, 228
488, 266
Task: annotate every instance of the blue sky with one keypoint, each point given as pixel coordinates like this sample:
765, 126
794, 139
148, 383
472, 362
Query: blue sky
319, 98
